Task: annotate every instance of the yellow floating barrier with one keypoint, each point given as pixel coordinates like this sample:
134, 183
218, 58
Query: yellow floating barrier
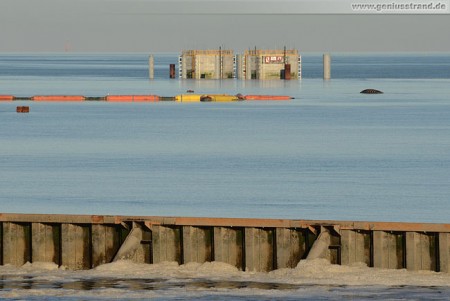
205, 97
188, 97
219, 97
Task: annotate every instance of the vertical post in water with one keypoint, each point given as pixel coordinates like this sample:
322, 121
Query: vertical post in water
151, 63
16, 243
326, 66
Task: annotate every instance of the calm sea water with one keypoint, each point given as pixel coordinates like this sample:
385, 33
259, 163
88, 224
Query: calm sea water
331, 153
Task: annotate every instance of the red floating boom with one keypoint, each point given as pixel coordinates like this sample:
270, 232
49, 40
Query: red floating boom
267, 97
6, 98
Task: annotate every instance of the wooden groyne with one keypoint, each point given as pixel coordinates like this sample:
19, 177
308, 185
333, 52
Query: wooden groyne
86, 241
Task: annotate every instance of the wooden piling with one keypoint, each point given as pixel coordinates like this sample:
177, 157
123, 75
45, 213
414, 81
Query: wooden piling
421, 251
166, 242
444, 252
229, 246
355, 247
388, 250
45, 241
105, 243
75, 246
16, 243
197, 244
290, 247
259, 250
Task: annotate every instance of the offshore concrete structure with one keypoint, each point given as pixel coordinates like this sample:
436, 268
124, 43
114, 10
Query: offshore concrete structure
207, 64
259, 64
86, 241
269, 64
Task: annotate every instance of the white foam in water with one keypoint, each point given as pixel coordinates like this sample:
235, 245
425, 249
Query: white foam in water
128, 280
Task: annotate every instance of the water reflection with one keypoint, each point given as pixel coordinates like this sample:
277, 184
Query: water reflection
137, 284
200, 289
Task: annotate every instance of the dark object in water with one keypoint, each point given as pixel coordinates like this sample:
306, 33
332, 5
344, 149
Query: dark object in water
205, 98
371, 91
240, 96
190, 91
23, 109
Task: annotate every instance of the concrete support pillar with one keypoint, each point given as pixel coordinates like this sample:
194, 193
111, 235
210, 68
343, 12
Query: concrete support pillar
354, 247
291, 246
326, 66
166, 242
16, 243
387, 250
75, 246
320, 248
151, 67
45, 242
259, 249
130, 246
228, 246
420, 251
444, 252
197, 244
105, 243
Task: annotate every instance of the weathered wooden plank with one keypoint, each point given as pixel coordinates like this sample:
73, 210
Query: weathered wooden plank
444, 252
166, 242
105, 243
388, 250
75, 246
16, 243
355, 247
259, 249
197, 244
45, 242
290, 247
228, 246
420, 251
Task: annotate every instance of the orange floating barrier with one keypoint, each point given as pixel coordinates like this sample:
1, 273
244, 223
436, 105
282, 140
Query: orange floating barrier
132, 98
58, 98
267, 97
6, 98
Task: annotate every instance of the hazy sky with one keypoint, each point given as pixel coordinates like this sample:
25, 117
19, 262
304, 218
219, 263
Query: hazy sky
153, 25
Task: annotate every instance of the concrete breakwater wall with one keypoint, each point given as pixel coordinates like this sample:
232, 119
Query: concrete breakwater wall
85, 241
